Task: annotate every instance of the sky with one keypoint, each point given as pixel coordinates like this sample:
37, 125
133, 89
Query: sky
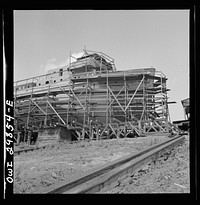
43, 39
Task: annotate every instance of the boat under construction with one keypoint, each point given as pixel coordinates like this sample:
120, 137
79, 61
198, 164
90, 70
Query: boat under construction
90, 99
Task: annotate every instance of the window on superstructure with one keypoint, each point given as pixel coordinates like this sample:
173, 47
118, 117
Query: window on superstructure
61, 72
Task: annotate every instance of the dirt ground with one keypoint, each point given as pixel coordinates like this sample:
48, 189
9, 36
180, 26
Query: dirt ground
168, 175
40, 168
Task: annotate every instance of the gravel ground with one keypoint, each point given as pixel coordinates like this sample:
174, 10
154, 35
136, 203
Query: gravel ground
168, 175
40, 168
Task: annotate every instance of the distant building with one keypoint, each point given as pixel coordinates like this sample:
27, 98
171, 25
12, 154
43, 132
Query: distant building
184, 124
186, 107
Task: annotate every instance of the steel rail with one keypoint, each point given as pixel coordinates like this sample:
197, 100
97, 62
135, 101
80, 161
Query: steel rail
28, 149
96, 179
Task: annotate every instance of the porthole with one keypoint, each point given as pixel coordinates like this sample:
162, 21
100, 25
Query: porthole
54, 81
60, 79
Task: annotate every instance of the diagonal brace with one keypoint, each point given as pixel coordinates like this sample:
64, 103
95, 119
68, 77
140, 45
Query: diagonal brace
103, 131
115, 98
77, 99
159, 125
37, 104
113, 130
134, 93
56, 112
38, 107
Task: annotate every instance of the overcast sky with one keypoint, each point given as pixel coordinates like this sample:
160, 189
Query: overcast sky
134, 38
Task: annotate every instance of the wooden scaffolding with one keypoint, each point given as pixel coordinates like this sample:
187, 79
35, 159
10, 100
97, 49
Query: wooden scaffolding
97, 103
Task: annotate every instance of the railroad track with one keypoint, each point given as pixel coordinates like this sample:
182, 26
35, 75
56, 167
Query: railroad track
18, 152
96, 179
